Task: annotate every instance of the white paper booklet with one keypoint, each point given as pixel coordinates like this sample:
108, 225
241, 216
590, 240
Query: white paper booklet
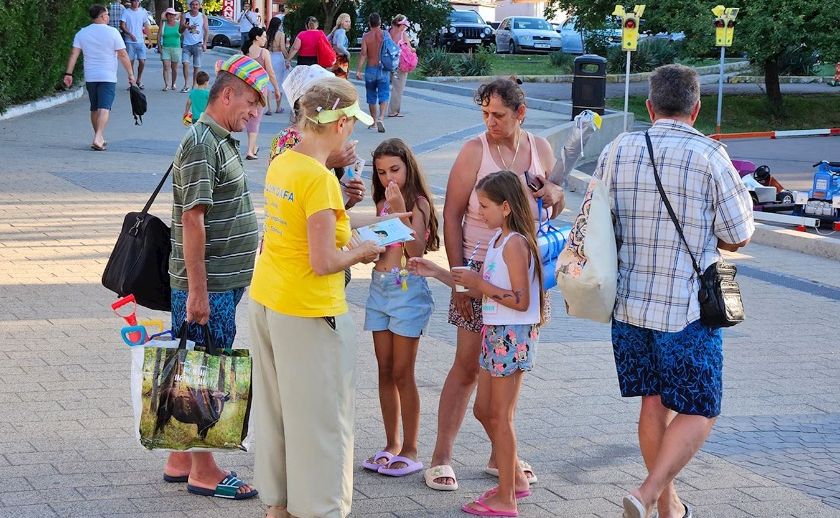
386, 232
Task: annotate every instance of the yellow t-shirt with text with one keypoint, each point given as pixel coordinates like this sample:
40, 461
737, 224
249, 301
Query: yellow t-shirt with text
296, 187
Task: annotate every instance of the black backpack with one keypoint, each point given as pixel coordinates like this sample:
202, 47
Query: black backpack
139, 263
138, 104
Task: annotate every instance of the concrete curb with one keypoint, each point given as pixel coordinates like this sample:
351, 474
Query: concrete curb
788, 239
537, 104
782, 80
567, 78
43, 103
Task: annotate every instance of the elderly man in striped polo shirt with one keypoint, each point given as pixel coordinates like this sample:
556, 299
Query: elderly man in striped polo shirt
214, 241
663, 353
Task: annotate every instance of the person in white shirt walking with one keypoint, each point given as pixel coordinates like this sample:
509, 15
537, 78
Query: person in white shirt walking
195, 30
248, 20
663, 352
102, 46
134, 23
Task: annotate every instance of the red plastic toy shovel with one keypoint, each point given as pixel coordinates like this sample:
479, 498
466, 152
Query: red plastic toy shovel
126, 308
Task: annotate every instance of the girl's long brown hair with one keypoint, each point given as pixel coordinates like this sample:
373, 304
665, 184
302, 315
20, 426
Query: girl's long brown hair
415, 184
505, 186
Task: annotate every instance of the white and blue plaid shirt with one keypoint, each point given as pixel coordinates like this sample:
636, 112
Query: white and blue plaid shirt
657, 284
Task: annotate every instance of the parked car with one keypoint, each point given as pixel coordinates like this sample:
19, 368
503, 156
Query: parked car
526, 34
223, 33
574, 36
466, 30
150, 33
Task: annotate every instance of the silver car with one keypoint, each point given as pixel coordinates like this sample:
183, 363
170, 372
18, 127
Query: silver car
526, 34
573, 36
223, 32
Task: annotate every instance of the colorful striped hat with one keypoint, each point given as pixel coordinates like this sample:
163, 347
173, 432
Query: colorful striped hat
248, 70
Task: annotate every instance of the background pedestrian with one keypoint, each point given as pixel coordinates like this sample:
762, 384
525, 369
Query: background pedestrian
399, 33
169, 45
254, 48
276, 44
135, 23
102, 46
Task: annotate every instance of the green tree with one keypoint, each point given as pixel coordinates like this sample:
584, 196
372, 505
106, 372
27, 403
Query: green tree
431, 15
765, 29
324, 10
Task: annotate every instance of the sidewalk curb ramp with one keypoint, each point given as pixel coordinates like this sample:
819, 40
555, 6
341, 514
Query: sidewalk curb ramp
44, 102
787, 238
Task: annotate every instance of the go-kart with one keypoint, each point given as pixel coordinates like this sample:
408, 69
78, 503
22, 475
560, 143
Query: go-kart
766, 191
824, 196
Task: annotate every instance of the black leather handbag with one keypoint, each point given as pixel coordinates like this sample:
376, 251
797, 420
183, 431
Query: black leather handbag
720, 295
139, 263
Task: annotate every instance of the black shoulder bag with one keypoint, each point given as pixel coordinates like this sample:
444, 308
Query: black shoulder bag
139, 263
720, 296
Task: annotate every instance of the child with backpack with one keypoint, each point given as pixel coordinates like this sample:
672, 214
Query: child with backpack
510, 286
400, 304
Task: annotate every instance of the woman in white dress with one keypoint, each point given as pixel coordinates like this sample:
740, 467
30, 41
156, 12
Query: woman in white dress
276, 44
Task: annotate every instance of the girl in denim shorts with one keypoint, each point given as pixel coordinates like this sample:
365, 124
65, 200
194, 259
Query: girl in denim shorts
400, 304
510, 286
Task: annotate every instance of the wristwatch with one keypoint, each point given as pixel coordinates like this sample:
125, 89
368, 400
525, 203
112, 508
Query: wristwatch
68, 74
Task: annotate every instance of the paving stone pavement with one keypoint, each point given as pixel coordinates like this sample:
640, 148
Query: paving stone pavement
66, 441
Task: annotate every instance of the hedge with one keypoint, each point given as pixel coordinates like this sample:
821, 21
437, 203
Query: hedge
36, 38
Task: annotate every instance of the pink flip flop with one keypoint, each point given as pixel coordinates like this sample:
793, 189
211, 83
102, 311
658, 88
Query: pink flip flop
411, 466
485, 510
374, 466
519, 495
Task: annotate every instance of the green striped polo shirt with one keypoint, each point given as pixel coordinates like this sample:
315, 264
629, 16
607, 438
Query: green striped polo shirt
208, 171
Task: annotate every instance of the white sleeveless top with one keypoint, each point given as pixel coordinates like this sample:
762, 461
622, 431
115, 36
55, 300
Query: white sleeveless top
495, 272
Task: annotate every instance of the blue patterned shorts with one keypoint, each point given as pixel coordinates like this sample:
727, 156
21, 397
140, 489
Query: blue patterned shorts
685, 369
222, 316
507, 349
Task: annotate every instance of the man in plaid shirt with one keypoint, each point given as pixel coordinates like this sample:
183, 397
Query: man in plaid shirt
662, 351
115, 12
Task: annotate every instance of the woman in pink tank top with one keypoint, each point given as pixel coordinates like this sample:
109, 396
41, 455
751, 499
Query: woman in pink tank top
504, 146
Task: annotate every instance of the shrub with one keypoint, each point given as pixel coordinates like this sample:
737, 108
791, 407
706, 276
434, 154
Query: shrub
651, 53
798, 61
596, 42
437, 62
562, 60
476, 63
29, 68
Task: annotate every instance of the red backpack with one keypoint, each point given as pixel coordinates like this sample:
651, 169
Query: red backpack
325, 52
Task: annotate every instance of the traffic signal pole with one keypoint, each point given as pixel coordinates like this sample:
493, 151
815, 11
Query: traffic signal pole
724, 34
629, 42
626, 90
720, 91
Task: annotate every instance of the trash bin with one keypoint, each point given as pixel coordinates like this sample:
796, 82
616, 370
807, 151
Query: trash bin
589, 86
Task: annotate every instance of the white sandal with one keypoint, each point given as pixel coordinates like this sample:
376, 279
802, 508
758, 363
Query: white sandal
442, 471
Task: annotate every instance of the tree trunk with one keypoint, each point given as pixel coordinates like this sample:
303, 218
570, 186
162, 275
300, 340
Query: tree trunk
160, 6
330, 12
221, 385
155, 383
771, 83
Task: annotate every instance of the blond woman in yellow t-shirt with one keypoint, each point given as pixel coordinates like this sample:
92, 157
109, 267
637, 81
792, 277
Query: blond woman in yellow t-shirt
304, 340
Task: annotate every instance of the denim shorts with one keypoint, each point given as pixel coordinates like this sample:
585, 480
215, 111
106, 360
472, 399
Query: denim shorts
377, 85
101, 94
389, 308
192, 54
135, 50
506, 349
222, 321
684, 368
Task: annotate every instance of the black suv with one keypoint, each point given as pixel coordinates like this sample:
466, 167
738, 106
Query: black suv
466, 30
